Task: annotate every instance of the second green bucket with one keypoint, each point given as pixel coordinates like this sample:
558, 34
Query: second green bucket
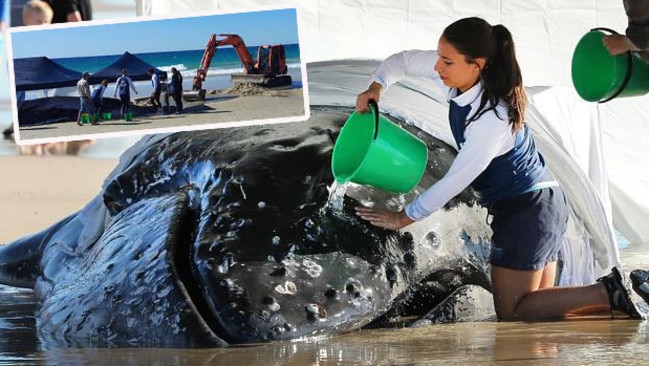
599, 77
373, 150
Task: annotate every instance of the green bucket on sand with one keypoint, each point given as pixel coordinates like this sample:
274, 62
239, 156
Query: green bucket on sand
128, 116
85, 118
599, 77
107, 116
96, 116
373, 150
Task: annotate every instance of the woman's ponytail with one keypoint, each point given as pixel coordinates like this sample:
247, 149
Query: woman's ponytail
501, 75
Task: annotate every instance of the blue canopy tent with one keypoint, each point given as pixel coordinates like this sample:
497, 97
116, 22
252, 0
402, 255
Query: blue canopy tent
137, 70
36, 73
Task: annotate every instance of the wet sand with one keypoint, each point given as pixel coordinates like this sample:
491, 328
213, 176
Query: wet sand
221, 108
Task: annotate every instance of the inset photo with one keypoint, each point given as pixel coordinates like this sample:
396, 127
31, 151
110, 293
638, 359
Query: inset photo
98, 79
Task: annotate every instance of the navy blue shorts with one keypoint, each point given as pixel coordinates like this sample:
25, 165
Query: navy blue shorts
528, 229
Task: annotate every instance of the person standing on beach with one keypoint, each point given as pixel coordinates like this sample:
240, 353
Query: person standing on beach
176, 89
98, 96
155, 94
70, 10
123, 87
498, 158
164, 94
85, 98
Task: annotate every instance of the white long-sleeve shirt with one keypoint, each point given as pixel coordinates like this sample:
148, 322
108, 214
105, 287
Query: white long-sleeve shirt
130, 84
155, 82
485, 138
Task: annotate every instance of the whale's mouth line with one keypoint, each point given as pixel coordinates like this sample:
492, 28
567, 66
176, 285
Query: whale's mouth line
181, 250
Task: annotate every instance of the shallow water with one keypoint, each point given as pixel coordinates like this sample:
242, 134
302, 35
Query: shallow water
587, 342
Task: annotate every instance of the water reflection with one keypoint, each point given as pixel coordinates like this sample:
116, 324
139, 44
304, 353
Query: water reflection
18, 340
583, 342
575, 342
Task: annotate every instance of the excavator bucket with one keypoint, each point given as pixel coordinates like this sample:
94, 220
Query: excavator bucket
194, 95
262, 80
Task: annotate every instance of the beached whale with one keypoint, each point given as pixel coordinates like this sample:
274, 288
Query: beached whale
219, 237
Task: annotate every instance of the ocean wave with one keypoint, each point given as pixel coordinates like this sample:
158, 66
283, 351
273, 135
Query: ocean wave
220, 71
180, 67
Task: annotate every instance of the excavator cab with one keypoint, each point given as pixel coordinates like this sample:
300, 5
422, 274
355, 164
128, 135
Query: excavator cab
271, 60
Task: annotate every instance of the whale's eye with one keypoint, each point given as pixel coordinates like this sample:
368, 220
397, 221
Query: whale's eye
114, 207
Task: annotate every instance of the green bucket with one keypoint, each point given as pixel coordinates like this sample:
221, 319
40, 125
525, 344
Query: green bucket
96, 116
599, 77
372, 150
85, 118
128, 116
107, 116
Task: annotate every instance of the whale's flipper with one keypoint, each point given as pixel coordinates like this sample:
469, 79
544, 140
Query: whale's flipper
466, 304
20, 260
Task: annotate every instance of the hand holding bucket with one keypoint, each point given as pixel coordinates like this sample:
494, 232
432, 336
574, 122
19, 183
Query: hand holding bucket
599, 76
372, 150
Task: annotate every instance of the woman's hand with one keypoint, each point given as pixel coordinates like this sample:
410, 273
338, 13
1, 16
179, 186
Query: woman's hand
385, 219
617, 44
363, 99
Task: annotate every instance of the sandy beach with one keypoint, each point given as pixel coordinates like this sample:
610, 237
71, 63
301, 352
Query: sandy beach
43, 190
223, 107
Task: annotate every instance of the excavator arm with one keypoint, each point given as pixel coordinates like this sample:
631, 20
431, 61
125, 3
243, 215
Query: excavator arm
201, 73
210, 50
241, 50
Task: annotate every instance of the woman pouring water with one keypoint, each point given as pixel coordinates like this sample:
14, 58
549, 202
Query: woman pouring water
498, 158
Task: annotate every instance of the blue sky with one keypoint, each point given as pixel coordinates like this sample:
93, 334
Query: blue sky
256, 28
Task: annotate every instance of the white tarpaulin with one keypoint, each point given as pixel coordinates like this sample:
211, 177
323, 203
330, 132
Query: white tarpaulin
609, 141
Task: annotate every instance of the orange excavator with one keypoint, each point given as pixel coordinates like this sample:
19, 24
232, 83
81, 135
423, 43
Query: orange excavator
269, 70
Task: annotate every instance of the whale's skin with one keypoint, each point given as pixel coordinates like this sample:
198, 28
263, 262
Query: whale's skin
218, 237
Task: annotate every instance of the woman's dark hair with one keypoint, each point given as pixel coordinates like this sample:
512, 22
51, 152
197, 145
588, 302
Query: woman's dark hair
475, 38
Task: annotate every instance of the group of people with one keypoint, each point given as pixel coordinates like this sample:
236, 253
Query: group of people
41, 12
38, 12
173, 88
92, 102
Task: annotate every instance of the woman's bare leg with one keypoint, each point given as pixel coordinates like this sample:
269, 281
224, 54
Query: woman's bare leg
531, 295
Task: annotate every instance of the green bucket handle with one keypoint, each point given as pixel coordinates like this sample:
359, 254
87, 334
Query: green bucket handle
629, 67
375, 109
374, 106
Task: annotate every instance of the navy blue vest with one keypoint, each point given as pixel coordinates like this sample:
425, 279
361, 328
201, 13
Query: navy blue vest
507, 175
